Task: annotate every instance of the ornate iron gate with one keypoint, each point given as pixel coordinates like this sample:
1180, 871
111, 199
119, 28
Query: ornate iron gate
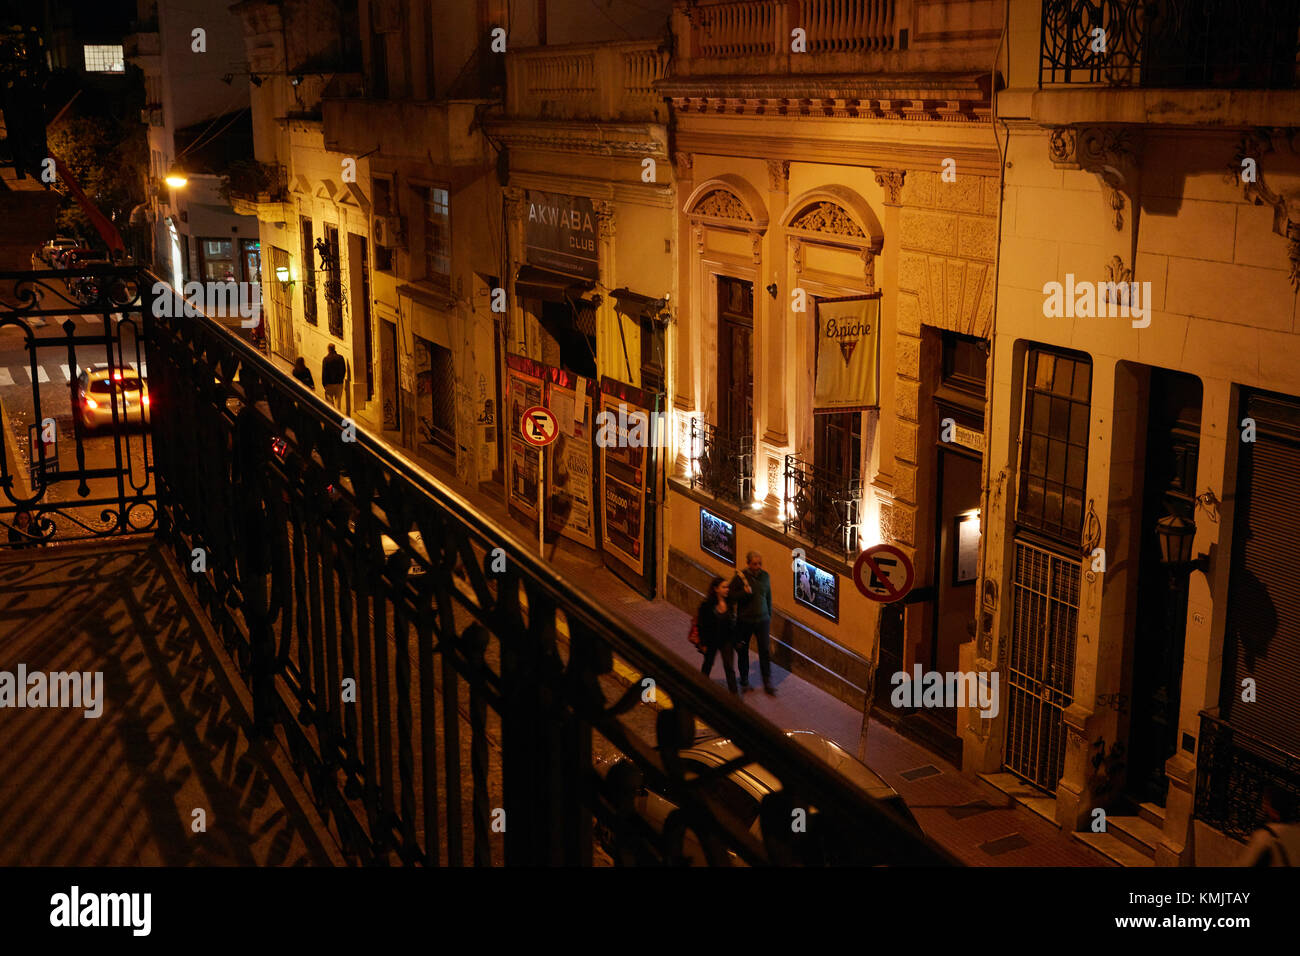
1040, 663
59, 480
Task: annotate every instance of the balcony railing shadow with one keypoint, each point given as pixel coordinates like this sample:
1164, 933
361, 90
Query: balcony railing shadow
429, 676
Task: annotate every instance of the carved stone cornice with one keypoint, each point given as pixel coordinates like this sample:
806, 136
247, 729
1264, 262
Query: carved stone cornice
891, 181
778, 175
867, 108
1112, 154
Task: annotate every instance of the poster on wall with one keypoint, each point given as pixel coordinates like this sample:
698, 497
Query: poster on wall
524, 391
718, 537
569, 461
627, 479
818, 589
848, 339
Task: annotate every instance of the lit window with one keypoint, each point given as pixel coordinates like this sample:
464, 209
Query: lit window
437, 235
104, 59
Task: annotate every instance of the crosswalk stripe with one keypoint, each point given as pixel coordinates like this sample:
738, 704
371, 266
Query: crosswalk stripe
67, 376
41, 375
5, 377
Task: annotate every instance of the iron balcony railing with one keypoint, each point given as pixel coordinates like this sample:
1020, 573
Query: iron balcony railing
722, 465
821, 506
1232, 772
1216, 44
447, 694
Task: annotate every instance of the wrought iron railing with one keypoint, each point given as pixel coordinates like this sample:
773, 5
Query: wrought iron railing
440, 684
75, 457
721, 464
1232, 772
1219, 44
821, 506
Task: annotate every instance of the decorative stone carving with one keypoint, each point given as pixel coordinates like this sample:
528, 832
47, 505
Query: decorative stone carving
685, 164
721, 204
891, 181
796, 248
829, 218
869, 268
1111, 154
1255, 145
778, 175
1118, 277
757, 239
699, 239
604, 217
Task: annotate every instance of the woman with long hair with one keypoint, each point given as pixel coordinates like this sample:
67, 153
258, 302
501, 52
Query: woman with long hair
717, 623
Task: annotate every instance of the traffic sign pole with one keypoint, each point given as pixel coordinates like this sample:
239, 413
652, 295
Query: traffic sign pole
539, 429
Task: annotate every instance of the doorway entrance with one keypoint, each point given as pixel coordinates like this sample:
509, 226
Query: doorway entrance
735, 358
1169, 488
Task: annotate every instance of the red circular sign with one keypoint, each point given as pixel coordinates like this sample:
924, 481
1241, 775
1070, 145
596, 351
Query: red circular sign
539, 426
889, 573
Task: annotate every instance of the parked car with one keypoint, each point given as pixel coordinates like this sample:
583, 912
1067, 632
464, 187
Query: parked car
96, 387
56, 245
741, 792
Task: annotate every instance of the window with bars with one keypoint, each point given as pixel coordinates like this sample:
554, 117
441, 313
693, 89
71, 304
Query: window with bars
334, 282
435, 384
104, 58
437, 235
308, 271
1054, 444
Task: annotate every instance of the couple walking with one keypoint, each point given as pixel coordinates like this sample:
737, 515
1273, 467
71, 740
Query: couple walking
732, 614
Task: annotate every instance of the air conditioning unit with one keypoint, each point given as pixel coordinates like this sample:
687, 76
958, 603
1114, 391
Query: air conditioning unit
388, 231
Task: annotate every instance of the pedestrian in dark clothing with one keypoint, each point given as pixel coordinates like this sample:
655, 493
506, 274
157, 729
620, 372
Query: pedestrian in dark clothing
333, 372
716, 621
751, 595
302, 373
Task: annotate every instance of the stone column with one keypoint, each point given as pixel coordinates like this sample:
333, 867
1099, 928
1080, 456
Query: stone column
780, 370
894, 526
686, 328
516, 337
610, 354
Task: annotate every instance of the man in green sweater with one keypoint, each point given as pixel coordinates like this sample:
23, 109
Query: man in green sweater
751, 593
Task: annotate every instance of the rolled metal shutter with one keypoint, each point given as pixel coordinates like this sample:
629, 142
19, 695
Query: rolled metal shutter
1263, 634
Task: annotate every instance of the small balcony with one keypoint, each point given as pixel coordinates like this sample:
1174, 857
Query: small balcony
823, 507
258, 189
1205, 44
443, 132
721, 465
840, 37
590, 81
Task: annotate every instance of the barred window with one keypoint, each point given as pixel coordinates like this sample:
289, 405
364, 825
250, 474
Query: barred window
104, 58
1054, 444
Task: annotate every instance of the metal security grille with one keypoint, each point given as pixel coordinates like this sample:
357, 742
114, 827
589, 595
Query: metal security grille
1040, 662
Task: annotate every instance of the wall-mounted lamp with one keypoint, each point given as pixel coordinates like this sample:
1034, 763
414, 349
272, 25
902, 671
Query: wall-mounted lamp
176, 177
282, 274
772, 289
1174, 533
1210, 502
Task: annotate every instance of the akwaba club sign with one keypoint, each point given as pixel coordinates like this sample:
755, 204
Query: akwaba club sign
561, 234
848, 337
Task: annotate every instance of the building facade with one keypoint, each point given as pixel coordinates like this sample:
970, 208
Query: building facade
1138, 582
837, 183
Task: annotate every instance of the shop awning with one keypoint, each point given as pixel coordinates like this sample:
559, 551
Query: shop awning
534, 283
637, 306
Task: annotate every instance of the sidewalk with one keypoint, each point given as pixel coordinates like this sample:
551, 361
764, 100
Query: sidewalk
969, 819
959, 813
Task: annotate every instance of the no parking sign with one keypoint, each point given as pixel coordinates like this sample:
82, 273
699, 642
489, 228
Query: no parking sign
884, 573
